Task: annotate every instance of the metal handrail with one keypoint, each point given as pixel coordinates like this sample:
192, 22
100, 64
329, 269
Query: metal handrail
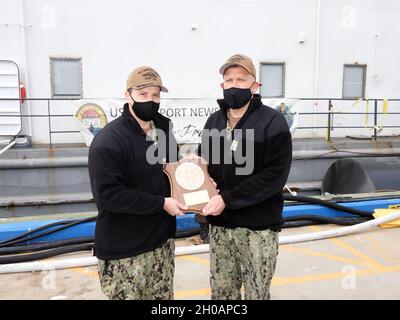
329, 113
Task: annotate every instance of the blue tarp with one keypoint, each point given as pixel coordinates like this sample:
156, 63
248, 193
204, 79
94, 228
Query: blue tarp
187, 222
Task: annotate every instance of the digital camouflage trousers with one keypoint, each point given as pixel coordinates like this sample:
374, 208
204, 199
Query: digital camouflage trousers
146, 276
242, 257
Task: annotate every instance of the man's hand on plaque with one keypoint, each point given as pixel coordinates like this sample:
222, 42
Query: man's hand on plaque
174, 207
214, 207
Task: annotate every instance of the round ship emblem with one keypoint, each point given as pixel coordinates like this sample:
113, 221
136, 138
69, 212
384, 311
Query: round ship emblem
189, 176
92, 117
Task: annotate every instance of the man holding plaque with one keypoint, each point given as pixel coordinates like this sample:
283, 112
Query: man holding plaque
250, 168
136, 224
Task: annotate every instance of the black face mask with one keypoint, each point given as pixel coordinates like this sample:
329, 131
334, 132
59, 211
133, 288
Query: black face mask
145, 111
237, 98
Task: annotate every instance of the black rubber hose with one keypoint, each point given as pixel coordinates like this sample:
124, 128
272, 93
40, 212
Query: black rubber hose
342, 221
304, 220
11, 241
304, 223
62, 243
67, 224
290, 222
326, 203
45, 254
301, 223
81, 244
67, 249
44, 246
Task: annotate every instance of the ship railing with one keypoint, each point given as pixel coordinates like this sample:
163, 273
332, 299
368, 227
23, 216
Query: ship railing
375, 114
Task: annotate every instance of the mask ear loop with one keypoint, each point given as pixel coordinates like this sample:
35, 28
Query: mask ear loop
131, 98
252, 94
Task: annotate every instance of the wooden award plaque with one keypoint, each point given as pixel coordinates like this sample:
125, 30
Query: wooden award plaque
190, 183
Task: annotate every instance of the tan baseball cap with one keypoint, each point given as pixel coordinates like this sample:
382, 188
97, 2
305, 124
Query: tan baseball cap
143, 77
239, 60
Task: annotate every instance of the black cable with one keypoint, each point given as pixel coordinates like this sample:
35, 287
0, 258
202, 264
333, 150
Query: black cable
318, 156
370, 138
81, 244
45, 254
326, 203
18, 249
342, 221
68, 225
63, 246
44, 246
62, 250
371, 154
304, 223
301, 223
